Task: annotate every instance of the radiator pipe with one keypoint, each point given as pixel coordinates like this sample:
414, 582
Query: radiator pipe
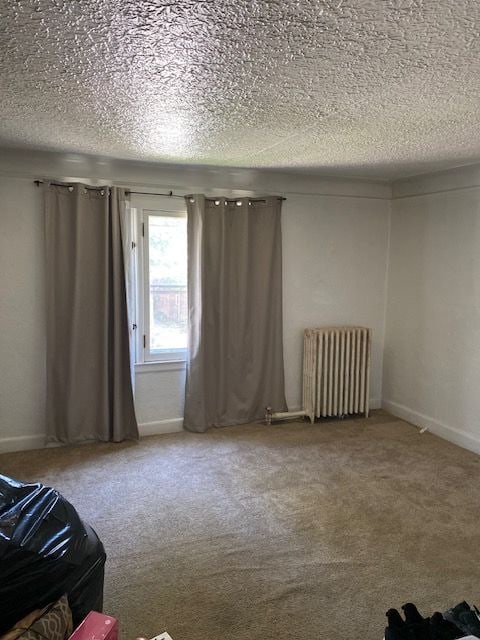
282, 415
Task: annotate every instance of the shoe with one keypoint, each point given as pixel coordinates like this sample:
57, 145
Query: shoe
396, 629
441, 629
418, 627
412, 616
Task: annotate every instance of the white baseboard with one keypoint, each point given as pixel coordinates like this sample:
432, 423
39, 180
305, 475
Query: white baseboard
161, 426
25, 443
452, 434
21, 443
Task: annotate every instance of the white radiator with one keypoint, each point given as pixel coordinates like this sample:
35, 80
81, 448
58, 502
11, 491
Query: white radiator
336, 371
336, 374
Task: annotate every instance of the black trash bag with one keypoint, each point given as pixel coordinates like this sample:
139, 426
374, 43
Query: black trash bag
45, 551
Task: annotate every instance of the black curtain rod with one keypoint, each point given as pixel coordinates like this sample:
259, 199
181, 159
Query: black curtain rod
170, 194
68, 184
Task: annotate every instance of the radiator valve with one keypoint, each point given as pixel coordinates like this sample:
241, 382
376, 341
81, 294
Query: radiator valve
268, 416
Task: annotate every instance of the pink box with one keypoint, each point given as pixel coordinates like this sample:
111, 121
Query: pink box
96, 626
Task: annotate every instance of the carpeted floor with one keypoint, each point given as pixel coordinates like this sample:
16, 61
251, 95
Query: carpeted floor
289, 531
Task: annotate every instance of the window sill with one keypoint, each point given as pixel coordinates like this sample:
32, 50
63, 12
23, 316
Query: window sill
164, 365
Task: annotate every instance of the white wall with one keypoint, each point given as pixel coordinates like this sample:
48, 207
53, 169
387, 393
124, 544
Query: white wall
22, 316
335, 236
159, 397
432, 354
335, 254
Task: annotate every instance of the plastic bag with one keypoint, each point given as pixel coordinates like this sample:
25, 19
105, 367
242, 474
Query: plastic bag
45, 551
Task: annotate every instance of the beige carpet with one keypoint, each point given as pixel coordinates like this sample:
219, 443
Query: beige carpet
291, 531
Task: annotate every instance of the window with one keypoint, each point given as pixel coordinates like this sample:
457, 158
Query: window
162, 278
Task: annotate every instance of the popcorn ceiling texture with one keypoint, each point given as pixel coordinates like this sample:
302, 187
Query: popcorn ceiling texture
355, 87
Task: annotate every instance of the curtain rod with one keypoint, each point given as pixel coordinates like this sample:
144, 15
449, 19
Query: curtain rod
170, 194
67, 184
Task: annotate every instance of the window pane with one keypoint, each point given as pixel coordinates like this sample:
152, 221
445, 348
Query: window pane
168, 282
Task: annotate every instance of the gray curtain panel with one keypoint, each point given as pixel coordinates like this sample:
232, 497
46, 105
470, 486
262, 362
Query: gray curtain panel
235, 363
89, 390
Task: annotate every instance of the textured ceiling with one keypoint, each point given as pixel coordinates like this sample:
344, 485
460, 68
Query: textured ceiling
355, 87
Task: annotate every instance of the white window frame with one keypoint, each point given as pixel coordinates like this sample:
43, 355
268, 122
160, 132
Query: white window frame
144, 206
